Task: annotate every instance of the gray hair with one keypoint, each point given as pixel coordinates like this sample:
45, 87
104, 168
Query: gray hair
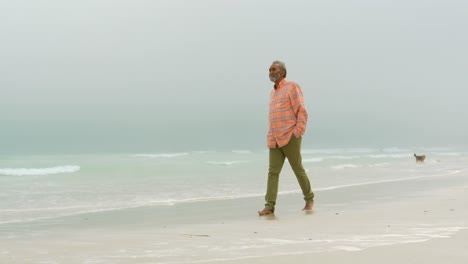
282, 66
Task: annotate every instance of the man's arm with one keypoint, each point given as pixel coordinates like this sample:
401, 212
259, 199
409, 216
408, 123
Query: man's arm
300, 111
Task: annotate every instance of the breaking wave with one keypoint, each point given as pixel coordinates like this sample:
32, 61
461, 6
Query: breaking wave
38, 171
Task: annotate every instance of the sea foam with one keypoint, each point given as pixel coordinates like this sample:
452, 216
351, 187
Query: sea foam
38, 171
226, 163
161, 155
345, 166
338, 151
242, 151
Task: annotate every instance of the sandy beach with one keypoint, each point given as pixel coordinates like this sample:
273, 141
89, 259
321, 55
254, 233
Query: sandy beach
435, 245
415, 220
440, 250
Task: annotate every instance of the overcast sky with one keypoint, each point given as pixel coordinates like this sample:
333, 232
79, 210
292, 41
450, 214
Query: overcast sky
139, 76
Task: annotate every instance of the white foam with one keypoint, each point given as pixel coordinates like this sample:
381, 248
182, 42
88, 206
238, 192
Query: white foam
379, 164
274, 247
343, 157
39, 171
204, 151
161, 155
347, 248
279, 241
345, 166
242, 151
338, 151
226, 163
320, 159
442, 149
65, 211
393, 156
451, 154
54, 212
309, 160
395, 150
385, 181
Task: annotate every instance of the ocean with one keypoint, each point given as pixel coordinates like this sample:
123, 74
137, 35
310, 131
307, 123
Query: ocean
42, 195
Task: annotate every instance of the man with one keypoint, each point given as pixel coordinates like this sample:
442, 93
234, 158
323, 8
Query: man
288, 121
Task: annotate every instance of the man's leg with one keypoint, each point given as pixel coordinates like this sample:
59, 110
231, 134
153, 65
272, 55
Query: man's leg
276, 161
293, 152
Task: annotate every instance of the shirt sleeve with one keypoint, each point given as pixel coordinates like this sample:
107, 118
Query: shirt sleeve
300, 111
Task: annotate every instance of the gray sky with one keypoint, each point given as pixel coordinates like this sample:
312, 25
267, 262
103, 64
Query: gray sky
85, 76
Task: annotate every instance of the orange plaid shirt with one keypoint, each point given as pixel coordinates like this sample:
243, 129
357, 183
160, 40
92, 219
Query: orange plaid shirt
288, 114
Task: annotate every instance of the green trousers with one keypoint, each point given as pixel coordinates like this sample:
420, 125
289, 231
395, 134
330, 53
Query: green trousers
292, 151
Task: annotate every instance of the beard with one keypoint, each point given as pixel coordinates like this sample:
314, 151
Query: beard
275, 77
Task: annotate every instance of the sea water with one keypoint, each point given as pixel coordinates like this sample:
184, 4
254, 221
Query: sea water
51, 186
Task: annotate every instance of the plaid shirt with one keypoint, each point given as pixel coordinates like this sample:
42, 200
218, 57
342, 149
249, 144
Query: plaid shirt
288, 114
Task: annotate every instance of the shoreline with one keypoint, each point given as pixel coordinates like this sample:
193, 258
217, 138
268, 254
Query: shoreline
360, 223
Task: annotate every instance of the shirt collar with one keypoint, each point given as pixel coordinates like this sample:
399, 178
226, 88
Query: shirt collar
280, 84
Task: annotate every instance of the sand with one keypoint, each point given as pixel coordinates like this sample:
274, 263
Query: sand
444, 206
423, 220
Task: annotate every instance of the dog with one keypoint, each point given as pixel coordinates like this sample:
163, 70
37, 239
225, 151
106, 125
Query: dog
419, 159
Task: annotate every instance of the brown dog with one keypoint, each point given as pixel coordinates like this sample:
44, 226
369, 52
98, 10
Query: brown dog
419, 159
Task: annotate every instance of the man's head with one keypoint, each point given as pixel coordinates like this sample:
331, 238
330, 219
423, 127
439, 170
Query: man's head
277, 71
